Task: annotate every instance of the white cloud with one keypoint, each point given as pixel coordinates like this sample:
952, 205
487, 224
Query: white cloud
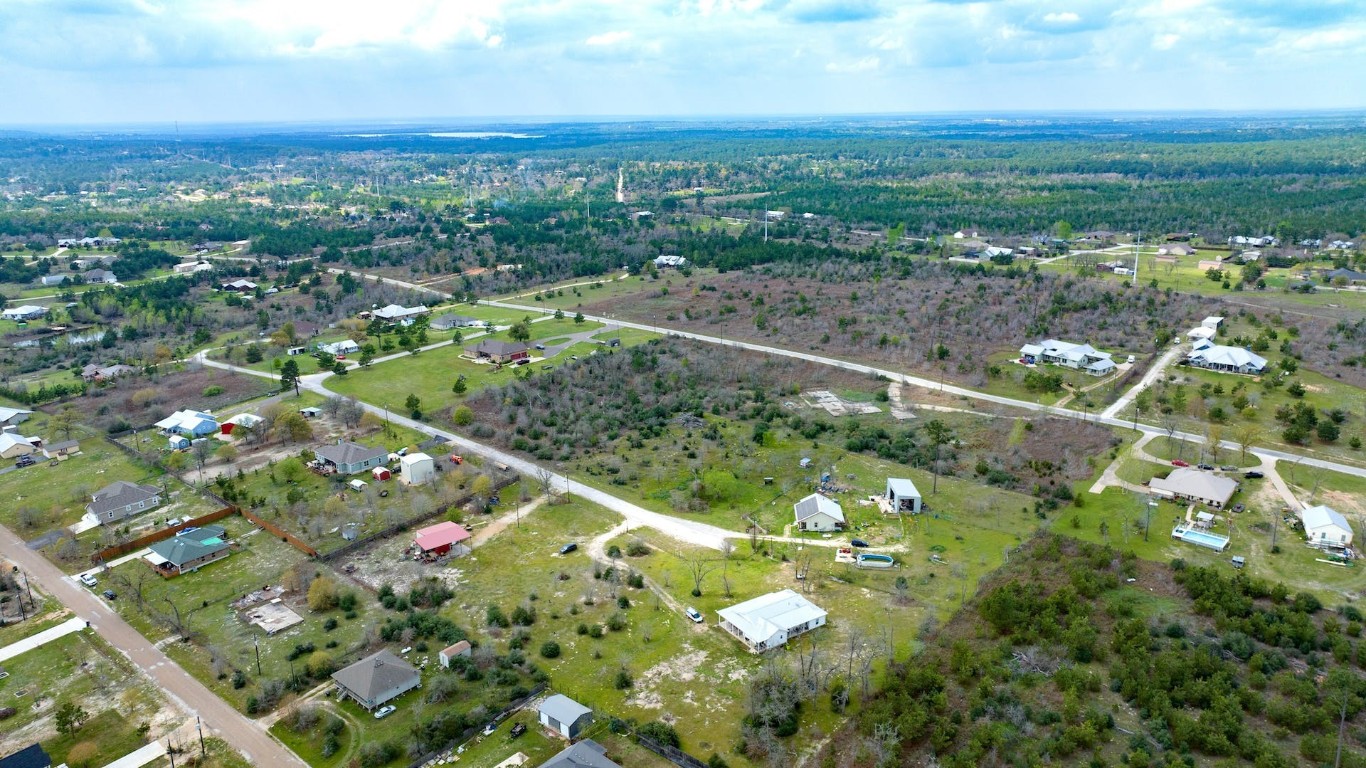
1166, 41
865, 64
1066, 17
609, 38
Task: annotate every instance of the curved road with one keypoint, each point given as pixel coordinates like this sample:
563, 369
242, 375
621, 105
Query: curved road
243, 733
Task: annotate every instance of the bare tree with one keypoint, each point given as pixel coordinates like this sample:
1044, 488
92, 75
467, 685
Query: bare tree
727, 549
698, 567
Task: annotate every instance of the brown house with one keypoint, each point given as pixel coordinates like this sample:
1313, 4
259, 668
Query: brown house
499, 351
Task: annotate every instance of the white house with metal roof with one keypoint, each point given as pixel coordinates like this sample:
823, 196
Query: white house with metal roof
1217, 357
396, 313
1326, 528
1082, 357
769, 621
818, 513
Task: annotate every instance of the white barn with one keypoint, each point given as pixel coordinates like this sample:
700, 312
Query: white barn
1326, 528
903, 495
818, 513
769, 621
417, 469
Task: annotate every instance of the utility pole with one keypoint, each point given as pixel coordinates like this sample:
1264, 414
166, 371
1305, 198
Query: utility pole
257, 643
200, 727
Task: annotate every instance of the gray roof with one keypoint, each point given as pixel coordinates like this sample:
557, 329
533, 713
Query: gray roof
119, 494
349, 453
563, 708
585, 754
191, 545
1320, 516
375, 674
1197, 484
494, 347
451, 321
816, 503
902, 486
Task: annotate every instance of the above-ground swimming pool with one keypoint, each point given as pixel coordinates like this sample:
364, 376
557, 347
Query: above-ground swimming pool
875, 561
1200, 538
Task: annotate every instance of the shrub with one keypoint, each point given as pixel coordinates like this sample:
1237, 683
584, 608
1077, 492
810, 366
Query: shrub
623, 680
550, 649
660, 733
616, 622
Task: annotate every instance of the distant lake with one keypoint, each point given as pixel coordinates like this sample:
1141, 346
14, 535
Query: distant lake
448, 135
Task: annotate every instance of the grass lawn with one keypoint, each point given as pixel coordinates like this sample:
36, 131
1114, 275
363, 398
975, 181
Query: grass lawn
222, 642
82, 669
59, 494
430, 375
679, 669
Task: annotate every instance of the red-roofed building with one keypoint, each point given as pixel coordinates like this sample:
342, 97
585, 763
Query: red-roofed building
438, 539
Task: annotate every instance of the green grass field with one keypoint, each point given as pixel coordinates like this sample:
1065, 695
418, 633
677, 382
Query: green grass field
82, 669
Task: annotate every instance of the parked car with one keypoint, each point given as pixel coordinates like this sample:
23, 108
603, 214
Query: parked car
1179, 463
517, 730
24, 461
385, 711
110, 594
1131, 359
858, 542
1229, 468
540, 346
694, 614
490, 728
1206, 467
1253, 475
88, 580
570, 547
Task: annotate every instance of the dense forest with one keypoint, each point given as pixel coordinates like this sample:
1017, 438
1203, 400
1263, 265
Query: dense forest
1060, 660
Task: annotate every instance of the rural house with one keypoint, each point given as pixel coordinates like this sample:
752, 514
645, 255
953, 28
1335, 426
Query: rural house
121, 499
188, 423
239, 286
189, 550
23, 313
818, 513
584, 754
401, 315
903, 495
564, 716
1185, 483
1217, 357
499, 351
1326, 528
676, 262
377, 678
96, 372
1081, 357
338, 348
349, 458
100, 276
769, 621
447, 322
13, 444
10, 417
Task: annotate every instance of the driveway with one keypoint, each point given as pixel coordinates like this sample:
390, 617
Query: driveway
234, 727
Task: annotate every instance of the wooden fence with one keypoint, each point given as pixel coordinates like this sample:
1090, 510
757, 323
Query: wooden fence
284, 535
123, 548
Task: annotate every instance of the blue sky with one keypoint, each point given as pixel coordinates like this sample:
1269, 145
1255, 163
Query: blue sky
110, 61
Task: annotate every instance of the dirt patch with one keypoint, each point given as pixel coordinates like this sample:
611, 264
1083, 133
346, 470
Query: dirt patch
1346, 503
384, 563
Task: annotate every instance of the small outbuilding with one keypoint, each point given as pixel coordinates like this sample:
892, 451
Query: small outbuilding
1326, 528
417, 469
462, 648
903, 495
381, 473
564, 716
440, 538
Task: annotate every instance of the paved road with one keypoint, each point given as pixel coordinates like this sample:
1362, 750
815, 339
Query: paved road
917, 381
234, 727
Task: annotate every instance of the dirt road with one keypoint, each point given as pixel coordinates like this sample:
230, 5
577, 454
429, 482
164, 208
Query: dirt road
191, 695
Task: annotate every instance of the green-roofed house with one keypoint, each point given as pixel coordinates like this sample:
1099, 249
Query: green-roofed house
189, 550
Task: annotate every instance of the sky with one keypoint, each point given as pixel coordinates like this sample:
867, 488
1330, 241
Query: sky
209, 61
